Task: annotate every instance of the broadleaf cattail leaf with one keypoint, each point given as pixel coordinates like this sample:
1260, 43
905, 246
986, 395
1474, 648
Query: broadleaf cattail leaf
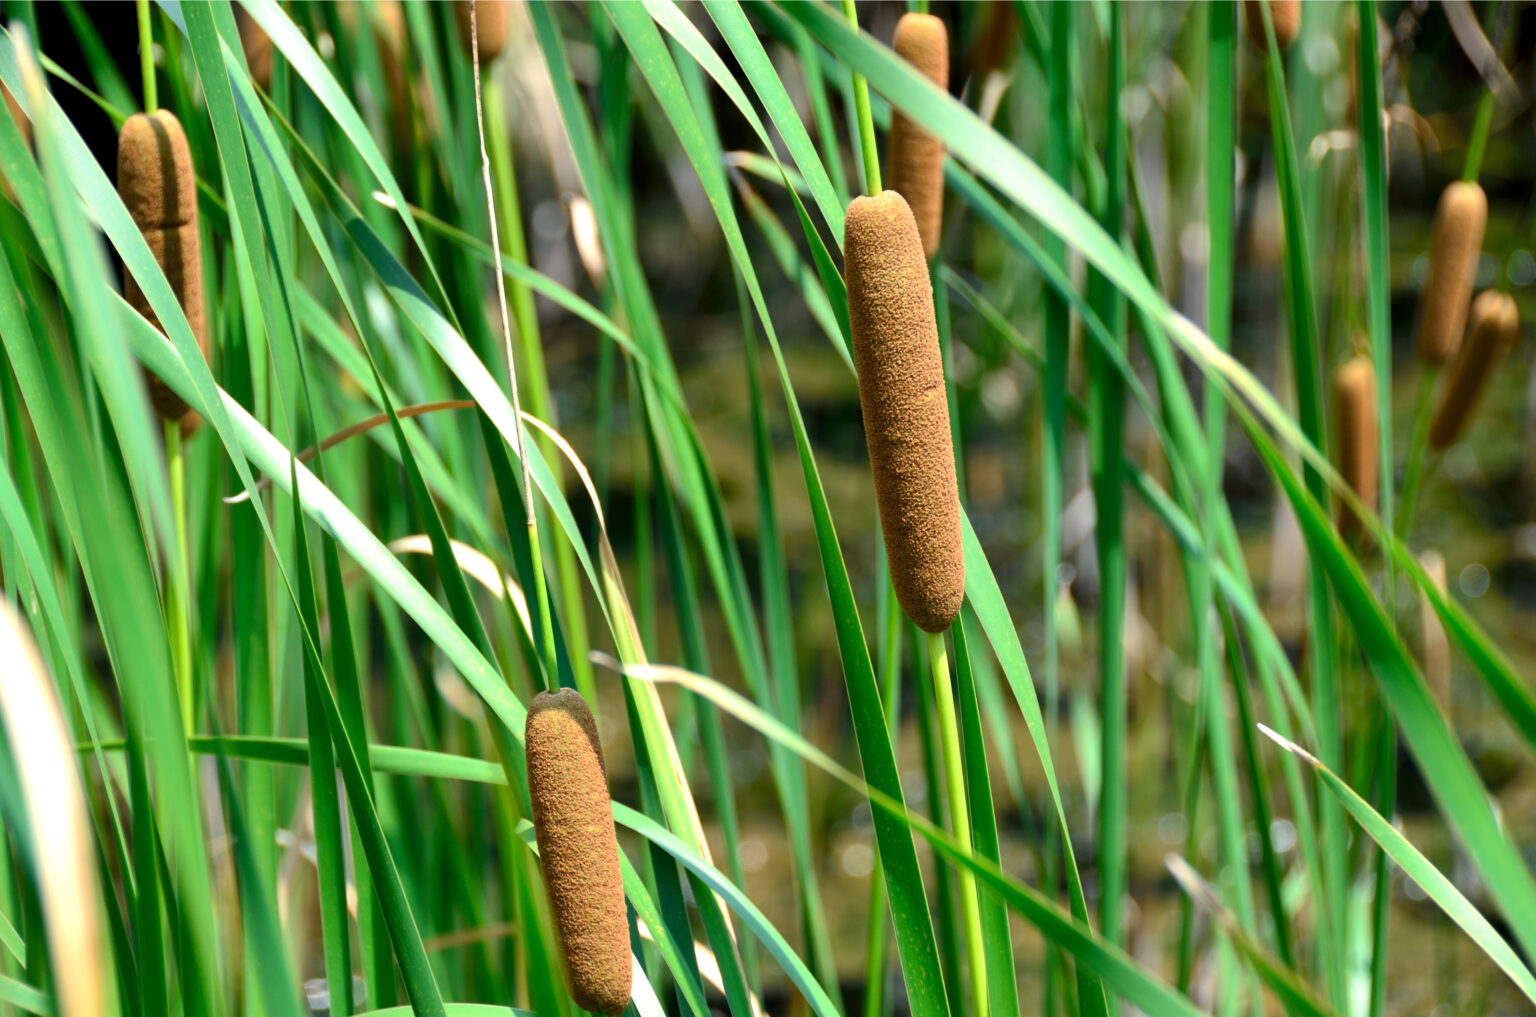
1455, 244
1286, 16
493, 17
578, 850
1354, 394
1493, 326
906, 414
917, 157
158, 187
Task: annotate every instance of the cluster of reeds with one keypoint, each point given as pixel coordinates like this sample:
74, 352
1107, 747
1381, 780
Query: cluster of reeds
209, 621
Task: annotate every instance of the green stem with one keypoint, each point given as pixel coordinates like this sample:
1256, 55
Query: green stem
959, 818
534, 376
147, 57
889, 624
865, 117
541, 587
546, 626
1386, 804
1479, 140
1413, 472
176, 598
535, 382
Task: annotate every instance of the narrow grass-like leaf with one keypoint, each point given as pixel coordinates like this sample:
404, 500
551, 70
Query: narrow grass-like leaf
1423, 872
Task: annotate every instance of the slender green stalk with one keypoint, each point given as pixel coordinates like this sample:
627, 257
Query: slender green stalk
176, 598
1107, 407
1478, 143
959, 818
1327, 704
147, 57
865, 117
1057, 348
1374, 229
534, 376
889, 626
551, 669
1418, 450
1386, 804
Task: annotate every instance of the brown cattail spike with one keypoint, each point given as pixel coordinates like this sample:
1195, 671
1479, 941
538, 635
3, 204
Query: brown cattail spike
155, 180
1354, 394
578, 851
1286, 15
1493, 326
492, 16
906, 415
1455, 244
917, 157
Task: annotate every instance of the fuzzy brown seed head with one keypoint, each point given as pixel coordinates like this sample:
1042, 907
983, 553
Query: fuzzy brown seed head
1455, 244
493, 16
1493, 327
917, 157
906, 414
154, 171
177, 251
1286, 15
155, 180
257, 46
1354, 394
578, 851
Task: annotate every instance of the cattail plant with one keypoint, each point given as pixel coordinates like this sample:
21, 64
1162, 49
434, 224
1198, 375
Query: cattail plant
155, 179
492, 16
906, 415
578, 851
1354, 395
1286, 16
917, 157
1455, 244
1493, 326
906, 424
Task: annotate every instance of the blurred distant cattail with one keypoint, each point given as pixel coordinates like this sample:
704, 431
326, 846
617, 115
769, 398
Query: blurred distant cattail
386, 21
996, 40
1354, 395
1437, 649
1286, 15
1493, 326
578, 851
906, 414
492, 16
917, 157
257, 45
155, 179
1455, 244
